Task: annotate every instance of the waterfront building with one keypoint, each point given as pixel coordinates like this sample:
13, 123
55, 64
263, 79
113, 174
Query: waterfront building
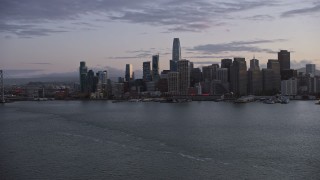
184, 76
173, 83
83, 70
147, 76
289, 87
239, 76
155, 68
274, 65
267, 82
128, 73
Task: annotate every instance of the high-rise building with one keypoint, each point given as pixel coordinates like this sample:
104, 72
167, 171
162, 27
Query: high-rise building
284, 59
128, 74
267, 81
222, 75
288, 74
209, 72
155, 68
274, 65
226, 63
91, 79
176, 50
176, 54
254, 64
184, 76
239, 76
311, 69
147, 71
173, 83
289, 87
195, 76
83, 70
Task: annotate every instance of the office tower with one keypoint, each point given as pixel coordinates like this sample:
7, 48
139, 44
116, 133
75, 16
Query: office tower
274, 65
226, 63
102, 76
239, 76
147, 71
209, 72
284, 59
222, 75
128, 74
267, 81
184, 76
155, 68
91, 82
195, 76
173, 83
176, 54
289, 87
254, 64
254, 78
311, 69
83, 70
176, 50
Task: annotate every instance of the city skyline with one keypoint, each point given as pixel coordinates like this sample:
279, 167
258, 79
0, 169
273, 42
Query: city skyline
109, 34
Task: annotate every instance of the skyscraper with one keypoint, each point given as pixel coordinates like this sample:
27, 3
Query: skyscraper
184, 76
254, 78
173, 83
176, 54
226, 63
176, 50
274, 65
83, 70
155, 68
239, 76
311, 69
147, 71
254, 64
1, 87
284, 59
128, 74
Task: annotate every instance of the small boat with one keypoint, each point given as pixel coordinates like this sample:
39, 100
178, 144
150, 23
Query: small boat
318, 103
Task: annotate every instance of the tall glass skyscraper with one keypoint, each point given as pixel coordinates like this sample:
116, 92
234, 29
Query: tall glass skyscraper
284, 59
176, 54
83, 70
128, 74
155, 68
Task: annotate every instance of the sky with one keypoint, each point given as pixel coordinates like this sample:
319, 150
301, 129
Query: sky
43, 37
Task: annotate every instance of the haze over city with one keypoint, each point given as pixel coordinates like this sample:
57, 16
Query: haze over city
45, 37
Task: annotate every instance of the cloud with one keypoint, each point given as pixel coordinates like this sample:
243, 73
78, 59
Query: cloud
30, 18
260, 18
40, 63
302, 11
235, 46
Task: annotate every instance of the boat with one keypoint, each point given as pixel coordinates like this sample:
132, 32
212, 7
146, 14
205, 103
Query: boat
318, 103
285, 100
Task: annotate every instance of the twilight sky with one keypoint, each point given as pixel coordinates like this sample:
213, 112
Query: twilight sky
53, 36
